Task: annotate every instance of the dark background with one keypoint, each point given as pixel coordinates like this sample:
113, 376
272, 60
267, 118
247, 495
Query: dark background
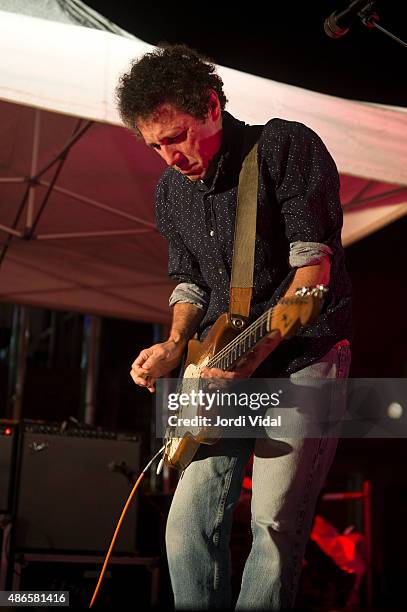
283, 41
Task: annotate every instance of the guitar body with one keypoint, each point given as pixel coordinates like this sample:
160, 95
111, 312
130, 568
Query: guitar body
222, 348
221, 333
179, 452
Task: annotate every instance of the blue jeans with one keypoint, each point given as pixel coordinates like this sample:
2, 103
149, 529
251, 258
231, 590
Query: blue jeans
286, 485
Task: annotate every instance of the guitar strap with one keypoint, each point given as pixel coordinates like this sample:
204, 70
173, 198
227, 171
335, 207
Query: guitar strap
241, 283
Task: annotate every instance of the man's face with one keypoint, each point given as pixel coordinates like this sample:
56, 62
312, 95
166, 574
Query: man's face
184, 142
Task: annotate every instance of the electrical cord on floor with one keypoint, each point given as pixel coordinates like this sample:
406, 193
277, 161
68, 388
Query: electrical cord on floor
119, 524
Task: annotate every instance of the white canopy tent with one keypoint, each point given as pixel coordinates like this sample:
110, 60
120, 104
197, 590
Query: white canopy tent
77, 190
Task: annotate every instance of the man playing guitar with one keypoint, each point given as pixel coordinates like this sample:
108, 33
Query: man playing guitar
173, 99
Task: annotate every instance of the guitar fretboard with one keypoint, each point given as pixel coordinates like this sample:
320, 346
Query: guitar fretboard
242, 344
278, 317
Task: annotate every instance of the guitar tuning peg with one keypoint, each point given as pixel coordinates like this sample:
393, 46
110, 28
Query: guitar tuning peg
316, 291
301, 291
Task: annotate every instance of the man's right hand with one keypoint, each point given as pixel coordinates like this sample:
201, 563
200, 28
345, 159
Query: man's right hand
157, 361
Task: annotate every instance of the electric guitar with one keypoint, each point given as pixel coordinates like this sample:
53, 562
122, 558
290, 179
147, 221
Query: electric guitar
223, 347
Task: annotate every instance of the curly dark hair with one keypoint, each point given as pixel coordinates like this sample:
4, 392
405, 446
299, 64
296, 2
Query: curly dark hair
171, 73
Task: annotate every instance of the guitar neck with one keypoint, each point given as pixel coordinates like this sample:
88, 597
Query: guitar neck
243, 343
284, 318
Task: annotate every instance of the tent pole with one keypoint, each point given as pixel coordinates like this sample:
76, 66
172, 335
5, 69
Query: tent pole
78, 132
59, 162
116, 212
34, 164
90, 365
129, 232
13, 179
18, 360
20, 210
358, 201
11, 231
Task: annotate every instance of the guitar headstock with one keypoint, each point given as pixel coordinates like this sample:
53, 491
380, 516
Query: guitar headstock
302, 309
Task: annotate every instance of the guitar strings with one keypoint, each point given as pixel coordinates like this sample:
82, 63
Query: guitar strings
234, 345
240, 338
247, 333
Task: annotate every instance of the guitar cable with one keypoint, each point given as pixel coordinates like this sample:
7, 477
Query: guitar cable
120, 521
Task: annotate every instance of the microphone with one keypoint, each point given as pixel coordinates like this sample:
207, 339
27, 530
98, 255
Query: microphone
338, 23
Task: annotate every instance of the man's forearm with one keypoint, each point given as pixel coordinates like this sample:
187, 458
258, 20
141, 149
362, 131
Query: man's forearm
310, 276
185, 320
307, 276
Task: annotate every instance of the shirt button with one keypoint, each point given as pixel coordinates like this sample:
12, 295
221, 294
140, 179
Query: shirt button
212, 233
220, 270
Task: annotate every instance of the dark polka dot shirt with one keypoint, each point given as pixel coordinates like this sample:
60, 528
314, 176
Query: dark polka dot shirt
299, 221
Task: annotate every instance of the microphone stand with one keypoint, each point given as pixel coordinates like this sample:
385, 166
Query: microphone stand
368, 17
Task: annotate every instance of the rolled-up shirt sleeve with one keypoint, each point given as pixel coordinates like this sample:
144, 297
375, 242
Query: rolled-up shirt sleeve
191, 294
308, 253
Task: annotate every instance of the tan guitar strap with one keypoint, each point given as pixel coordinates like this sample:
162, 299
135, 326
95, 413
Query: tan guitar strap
241, 283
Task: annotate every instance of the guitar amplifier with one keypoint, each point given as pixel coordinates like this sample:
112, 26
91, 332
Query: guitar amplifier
8, 445
72, 485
